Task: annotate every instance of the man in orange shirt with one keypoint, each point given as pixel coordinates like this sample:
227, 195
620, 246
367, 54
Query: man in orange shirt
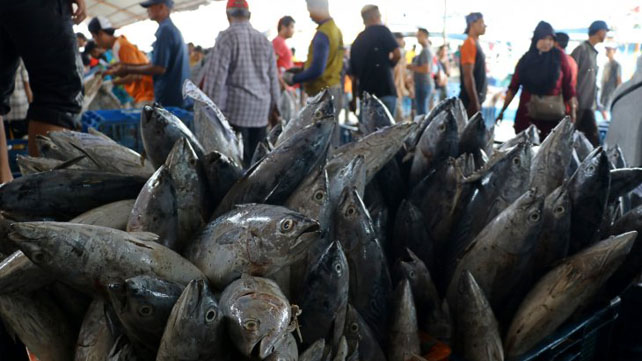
473, 65
140, 87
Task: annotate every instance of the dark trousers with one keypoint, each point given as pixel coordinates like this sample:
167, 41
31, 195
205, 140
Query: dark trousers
251, 138
586, 124
40, 32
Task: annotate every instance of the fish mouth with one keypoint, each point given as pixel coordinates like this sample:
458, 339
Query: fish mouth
191, 300
118, 296
310, 234
265, 347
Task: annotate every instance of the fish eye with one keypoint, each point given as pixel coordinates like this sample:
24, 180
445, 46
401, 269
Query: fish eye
351, 211
516, 161
559, 210
338, 268
38, 257
146, 310
442, 127
287, 225
318, 195
251, 325
210, 315
318, 114
590, 168
411, 274
534, 217
354, 327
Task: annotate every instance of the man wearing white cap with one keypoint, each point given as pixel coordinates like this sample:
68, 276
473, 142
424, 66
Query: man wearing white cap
170, 62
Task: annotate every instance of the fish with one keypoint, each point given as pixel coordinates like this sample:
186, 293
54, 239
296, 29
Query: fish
122, 351
342, 350
274, 133
113, 215
155, 209
404, 332
30, 165
499, 255
314, 352
324, 296
19, 275
370, 283
433, 315
89, 258
191, 193
582, 145
95, 340
437, 143
549, 164
474, 138
528, 135
589, 188
256, 239
410, 232
257, 314
317, 108
287, 350
562, 290
221, 173
64, 194
262, 149
477, 336
360, 337
553, 242
631, 267
311, 198
143, 305
343, 175
159, 130
623, 181
40, 324
103, 152
211, 128
275, 177
195, 327
374, 114
616, 157
377, 148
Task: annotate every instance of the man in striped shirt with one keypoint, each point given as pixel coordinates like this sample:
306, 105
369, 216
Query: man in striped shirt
241, 77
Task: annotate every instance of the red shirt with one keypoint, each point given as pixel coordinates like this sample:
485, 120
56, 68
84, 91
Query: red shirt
283, 54
564, 86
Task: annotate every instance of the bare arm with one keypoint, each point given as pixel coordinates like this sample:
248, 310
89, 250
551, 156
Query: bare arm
28, 92
395, 56
140, 69
421, 69
509, 98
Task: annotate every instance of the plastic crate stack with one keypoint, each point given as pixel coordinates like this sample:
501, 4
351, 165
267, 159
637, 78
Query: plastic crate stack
123, 125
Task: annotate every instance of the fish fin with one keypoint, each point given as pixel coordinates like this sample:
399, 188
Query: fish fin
69, 163
92, 159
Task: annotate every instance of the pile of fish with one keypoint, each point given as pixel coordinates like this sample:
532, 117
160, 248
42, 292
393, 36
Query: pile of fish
412, 236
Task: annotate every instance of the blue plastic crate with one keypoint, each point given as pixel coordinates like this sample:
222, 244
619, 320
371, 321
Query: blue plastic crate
123, 125
16, 147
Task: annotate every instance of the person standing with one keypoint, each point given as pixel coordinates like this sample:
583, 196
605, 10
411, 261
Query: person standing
169, 67
586, 57
442, 74
403, 84
545, 77
284, 62
139, 87
611, 78
325, 57
561, 42
41, 33
472, 65
373, 55
16, 119
421, 68
241, 77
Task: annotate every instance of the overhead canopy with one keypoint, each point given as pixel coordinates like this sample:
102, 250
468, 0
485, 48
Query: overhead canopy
124, 12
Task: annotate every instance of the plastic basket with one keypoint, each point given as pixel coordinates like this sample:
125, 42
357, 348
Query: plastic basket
602, 129
123, 125
16, 147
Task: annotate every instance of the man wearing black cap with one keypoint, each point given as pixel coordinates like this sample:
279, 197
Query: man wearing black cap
586, 57
473, 65
170, 62
41, 33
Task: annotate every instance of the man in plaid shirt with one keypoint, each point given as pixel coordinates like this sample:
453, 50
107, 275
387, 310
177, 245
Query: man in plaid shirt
241, 77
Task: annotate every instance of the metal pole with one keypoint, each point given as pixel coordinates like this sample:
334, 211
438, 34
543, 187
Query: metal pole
445, 15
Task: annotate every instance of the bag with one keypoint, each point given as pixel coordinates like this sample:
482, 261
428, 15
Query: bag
546, 107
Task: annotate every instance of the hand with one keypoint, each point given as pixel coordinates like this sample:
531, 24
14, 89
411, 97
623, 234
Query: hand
118, 69
604, 114
274, 116
288, 78
473, 108
500, 117
81, 11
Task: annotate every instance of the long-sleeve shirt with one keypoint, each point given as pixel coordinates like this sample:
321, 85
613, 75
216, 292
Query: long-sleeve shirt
586, 57
241, 76
321, 46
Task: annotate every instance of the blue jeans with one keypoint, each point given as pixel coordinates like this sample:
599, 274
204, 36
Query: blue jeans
422, 92
390, 101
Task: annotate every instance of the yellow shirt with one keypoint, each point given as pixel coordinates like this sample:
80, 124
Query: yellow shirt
332, 74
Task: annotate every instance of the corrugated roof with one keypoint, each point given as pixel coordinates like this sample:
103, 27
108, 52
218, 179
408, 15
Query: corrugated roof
124, 12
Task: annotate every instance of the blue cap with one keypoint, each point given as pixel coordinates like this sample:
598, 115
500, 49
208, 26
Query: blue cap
148, 3
597, 26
